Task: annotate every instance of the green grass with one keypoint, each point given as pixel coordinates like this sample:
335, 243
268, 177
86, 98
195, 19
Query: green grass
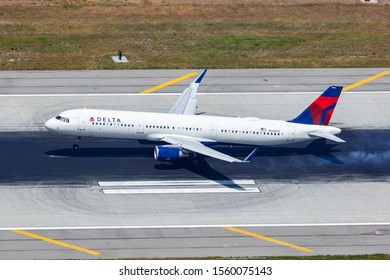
340, 257
325, 257
242, 43
230, 35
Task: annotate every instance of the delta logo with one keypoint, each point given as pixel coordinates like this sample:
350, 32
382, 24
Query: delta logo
105, 119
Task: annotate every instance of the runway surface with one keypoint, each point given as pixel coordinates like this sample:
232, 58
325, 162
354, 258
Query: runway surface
198, 242
51, 190
46, 158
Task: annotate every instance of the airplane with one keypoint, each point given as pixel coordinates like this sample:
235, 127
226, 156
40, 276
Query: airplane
185, 134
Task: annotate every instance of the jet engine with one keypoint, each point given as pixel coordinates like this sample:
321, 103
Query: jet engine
168, 153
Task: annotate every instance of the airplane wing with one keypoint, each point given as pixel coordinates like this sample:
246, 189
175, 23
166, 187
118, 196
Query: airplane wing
327, 136
186, 104
197, 147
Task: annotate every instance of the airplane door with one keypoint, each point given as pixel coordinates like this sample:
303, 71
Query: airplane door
213, 131
291, 134
82, 120
140, 128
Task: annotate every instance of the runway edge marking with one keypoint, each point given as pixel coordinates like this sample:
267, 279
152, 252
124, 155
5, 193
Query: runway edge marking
269, 239
193, 226
177, 94
56, 242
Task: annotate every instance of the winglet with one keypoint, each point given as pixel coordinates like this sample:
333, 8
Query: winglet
251, 155
200, 77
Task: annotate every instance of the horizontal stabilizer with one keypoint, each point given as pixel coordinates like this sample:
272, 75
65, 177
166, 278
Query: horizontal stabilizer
327, 135
251, 155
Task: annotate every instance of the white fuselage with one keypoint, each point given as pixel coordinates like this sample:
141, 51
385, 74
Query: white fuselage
154, 126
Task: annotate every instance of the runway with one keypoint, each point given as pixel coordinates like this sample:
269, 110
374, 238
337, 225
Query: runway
48, 188
46, 158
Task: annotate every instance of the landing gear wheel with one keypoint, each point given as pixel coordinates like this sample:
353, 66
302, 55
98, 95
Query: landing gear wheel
195, 162
76, 145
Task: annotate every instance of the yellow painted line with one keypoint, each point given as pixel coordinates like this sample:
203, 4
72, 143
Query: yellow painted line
366, 80
170, 82
269, 239
60, 243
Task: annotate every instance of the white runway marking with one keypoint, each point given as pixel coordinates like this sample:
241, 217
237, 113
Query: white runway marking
180, 190
177, 94
54, 156
194, 226
175, 183
184, 184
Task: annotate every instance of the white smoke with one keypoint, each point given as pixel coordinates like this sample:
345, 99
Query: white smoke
359, 157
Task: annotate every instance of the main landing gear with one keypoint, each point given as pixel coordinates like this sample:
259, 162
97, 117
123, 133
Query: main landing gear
76, 145
194, 159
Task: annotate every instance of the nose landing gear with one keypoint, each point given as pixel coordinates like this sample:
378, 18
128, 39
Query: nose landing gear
76, 145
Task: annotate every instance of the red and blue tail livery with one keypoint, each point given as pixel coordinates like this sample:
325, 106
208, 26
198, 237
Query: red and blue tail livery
321, 110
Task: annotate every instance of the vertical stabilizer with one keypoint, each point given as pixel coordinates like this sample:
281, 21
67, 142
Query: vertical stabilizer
321, 110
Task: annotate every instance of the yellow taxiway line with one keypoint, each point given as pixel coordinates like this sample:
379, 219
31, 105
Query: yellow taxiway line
362, 82
60, 243
365, 81
170, 82
269, 239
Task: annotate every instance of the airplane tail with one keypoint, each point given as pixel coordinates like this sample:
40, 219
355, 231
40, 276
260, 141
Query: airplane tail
321, 110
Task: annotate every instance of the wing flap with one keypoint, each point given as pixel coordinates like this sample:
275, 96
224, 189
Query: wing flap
197, 147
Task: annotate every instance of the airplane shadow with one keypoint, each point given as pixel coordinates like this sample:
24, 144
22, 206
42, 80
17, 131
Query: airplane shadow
318, 148
103, 152
202, 168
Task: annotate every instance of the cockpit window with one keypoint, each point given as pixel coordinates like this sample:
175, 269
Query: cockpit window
62, 119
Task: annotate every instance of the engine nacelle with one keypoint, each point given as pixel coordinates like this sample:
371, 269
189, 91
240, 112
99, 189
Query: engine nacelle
168, 153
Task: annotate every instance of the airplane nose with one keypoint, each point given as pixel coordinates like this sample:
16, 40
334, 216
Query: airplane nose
50, 124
